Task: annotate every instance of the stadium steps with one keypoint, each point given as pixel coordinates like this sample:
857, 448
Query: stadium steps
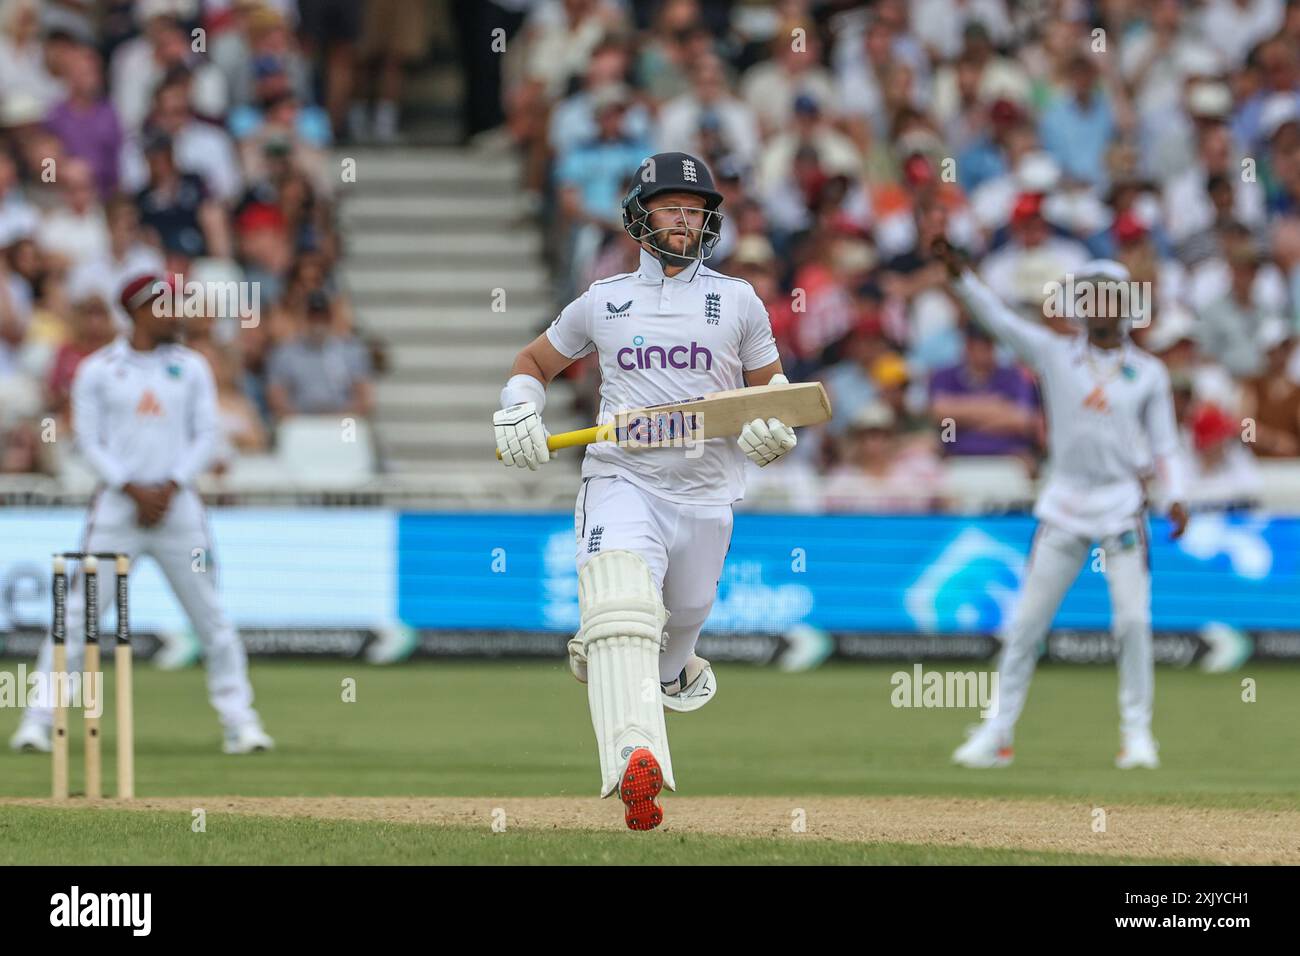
431, 234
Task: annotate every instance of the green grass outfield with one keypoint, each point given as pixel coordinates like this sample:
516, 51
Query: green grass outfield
514, 730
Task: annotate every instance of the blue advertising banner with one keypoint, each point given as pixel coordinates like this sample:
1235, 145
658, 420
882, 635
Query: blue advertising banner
386, 584
849, 574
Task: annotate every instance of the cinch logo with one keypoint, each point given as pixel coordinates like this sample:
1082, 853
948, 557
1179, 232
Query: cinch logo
643, 356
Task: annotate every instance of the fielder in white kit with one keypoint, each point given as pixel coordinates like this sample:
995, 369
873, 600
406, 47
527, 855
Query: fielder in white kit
1110, 425
145, 415
652, 525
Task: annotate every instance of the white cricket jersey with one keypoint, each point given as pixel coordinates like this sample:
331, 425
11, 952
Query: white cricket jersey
1110, 417
145, 417
663, 339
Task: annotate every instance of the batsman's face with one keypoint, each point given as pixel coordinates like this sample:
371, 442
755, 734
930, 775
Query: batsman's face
677, 221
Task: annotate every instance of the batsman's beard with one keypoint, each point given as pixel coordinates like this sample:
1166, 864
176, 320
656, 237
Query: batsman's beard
690, 251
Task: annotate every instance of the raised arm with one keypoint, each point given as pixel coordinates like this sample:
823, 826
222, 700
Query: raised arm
1028, 339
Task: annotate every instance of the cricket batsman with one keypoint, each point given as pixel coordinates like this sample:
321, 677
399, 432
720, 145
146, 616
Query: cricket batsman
145, 413
1110, 420
653, 525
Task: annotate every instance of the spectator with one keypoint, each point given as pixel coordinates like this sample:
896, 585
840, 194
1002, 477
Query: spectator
909, 404
862, 73
834, 153
92, 328
177, 208
874, 476
127, 256
1191, 206
573, 121
1277, 86
198, 147
671, 47
1076, 128
241, 427
558, 38
18, 217
265, 248
76, 230
1156, 61
1173, 337
257, 34
1238, 259
320, 373
1221, 472
1230, 325
20, 396
140, 65
942, 25
592, 177
1272, 398
394, 34
279, 143
1033, 257
772, 87
993, 408
1234, 26
709, 104
273, 86
979, 78
23, 71
86, 123
850, 382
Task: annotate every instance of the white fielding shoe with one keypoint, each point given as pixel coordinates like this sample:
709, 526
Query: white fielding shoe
985, 749
32, 738
694, 687
1140, 750
248, 739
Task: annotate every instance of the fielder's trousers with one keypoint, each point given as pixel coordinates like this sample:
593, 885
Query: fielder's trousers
1054, 562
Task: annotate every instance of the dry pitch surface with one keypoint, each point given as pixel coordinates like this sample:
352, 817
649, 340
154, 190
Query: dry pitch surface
1167, 832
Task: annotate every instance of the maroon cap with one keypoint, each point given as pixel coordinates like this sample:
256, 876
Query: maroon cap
140, 291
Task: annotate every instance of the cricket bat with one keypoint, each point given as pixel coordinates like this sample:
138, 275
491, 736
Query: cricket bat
716, 415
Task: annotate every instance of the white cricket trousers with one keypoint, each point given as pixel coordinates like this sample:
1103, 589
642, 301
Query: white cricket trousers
182, 548
1054, 562
684, 545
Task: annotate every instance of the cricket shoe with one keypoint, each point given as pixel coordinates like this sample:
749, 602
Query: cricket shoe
1140, 750
694, 687
32, 737
986, 748
641, 783
248, 738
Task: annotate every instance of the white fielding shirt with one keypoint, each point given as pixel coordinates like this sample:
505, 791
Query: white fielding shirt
664, 339
145, 417
1110, 419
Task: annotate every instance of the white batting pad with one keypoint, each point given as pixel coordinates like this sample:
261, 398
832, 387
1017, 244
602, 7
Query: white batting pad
622, 629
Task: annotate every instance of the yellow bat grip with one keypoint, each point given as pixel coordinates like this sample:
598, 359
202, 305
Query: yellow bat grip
583, 436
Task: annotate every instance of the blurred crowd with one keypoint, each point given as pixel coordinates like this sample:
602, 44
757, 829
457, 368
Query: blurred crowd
847, 137
188, 140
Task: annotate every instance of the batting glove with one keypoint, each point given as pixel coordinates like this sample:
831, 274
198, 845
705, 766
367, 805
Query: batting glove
763, 442
521, 437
